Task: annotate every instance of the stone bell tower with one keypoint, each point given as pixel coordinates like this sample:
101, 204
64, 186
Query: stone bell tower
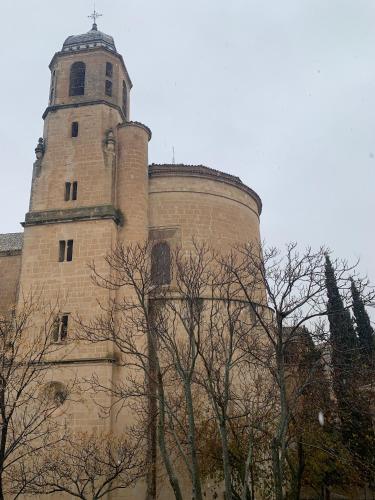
90, 182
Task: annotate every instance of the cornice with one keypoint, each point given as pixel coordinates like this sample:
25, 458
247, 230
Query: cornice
80, 361
98, 212
56, 107
10, 253
136, 124
203, 172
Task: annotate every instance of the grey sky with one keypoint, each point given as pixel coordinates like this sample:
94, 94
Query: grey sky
280, 93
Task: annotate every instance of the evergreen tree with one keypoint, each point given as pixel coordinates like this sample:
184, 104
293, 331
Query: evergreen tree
365, 332
342, 338
353, 411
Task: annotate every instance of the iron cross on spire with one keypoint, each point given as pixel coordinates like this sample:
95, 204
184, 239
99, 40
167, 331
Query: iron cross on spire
94, 17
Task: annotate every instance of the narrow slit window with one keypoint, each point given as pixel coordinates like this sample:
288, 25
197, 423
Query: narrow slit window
52, 91
108, 69
124, 97
75, 190
64, 327
60, 328
62, 246
67, 191
56, 330
69, 250
74, 129
108, 88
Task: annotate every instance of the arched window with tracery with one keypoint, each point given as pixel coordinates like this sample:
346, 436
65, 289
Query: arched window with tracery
161, 264
77, 79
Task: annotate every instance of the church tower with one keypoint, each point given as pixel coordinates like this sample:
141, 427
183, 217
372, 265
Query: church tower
89, 192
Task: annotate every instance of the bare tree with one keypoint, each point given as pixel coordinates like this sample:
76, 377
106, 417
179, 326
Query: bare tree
294, 291
28, 402
185, 346
85, 465
131, 321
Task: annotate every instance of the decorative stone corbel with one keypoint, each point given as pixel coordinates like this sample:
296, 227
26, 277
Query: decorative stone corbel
37, 167
39, 153
110, 149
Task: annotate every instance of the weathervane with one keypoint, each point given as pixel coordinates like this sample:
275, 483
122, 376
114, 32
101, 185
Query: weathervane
94, 17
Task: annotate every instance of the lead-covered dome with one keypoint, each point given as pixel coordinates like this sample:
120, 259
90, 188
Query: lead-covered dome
90, 40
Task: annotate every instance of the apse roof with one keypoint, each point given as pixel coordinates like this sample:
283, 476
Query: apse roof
92, 39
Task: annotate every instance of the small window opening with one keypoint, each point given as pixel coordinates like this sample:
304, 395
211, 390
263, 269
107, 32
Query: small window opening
75, 189
124, 97
108, 69
62, 245
67, 191
161, 264
69, 250
65, 250
52, 90
108, 88
60, 328
74, 129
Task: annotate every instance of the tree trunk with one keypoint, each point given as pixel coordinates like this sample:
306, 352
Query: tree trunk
162, 445
277, 476
152, 419
249, 458
197, 487
226, 463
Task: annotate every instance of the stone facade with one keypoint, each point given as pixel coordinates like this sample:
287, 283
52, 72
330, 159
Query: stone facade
120, 198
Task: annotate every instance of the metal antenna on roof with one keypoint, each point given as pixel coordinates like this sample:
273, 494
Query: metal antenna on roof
94, 17
173, 158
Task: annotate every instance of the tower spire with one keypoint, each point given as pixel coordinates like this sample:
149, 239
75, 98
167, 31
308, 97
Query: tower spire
94, 17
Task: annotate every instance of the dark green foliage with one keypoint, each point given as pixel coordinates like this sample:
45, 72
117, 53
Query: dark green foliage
365, 332
342, 339
347, 373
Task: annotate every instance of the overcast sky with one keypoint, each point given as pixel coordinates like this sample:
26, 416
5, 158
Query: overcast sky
280, 93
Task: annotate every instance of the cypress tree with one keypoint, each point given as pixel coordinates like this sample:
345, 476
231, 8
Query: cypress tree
342, 336
352, 406
365, 332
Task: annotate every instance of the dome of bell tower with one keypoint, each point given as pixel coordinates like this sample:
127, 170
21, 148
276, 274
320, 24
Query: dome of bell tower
93, 39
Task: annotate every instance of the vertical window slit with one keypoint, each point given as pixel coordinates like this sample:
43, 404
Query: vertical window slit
67, 191
108, 88
108, 69
74, 129
69, 251
64, 327
74, 192
61, 251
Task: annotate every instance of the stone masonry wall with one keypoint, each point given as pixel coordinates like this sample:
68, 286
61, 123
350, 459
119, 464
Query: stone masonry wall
10, 267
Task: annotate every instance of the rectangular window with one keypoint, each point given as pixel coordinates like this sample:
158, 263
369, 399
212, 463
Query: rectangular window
74, 129
64, 326
67, 191
74, 192
108, 69
108, 88
69, 250
60, 328
62, 246
65, 251
71, 191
